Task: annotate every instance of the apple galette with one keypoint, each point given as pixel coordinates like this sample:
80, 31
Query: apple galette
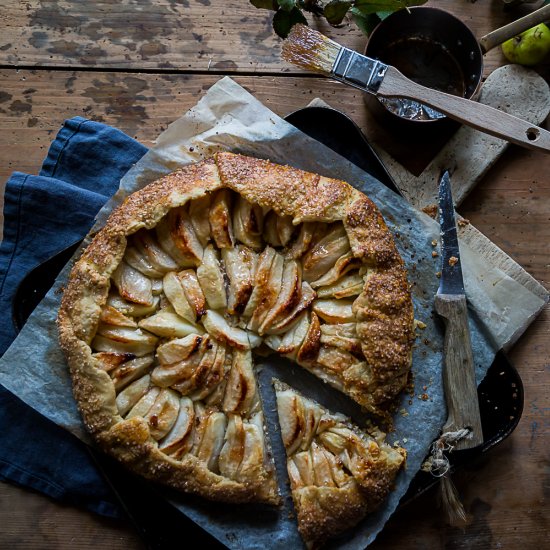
164, 309
338, 472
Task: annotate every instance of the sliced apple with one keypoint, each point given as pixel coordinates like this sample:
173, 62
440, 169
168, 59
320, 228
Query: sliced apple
240, 266
271, 235
111, 316
321, 467
346, 287
133, 285
109, 361
130, 371
343, 265
334, 311
123, 340
149, 247
309, 350
291, 420
324, 254
177, 441
175, 294
335, 359
288, 297
219, 328
130, 395
213, 376
169, 324
193, 292
304, 466
211, 280
248, 223
143, 406
290, 342
261, 279
303, 241
212, 440
199, 210
200, 372
140, 262
221, 226
131, 308
252, 465
269, 293
166, 375
178, 349
343, 338
240, 392
232, 453
305, 300
285, 229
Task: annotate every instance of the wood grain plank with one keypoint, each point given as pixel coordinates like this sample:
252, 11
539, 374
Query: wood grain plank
165, 35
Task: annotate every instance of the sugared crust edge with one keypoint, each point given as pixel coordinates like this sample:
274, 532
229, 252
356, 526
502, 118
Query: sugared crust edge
289, 191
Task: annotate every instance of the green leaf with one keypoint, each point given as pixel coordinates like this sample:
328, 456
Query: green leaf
366, 22
336, 10
283, 21
265, 4
287, 5
374, 6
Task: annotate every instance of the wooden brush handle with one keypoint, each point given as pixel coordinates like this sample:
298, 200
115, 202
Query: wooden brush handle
498, 36
458, 374
477, 115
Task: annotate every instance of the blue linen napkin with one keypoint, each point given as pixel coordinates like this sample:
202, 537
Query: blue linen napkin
43, 215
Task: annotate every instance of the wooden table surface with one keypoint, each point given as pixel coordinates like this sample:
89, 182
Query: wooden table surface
140, 64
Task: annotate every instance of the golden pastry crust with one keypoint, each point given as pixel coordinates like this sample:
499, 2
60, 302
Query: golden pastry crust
383, 309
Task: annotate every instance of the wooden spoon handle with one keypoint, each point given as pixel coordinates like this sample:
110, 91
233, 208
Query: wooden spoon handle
498, 36
458, 374
477, 115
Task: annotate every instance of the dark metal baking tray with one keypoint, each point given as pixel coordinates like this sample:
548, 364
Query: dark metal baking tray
159, 523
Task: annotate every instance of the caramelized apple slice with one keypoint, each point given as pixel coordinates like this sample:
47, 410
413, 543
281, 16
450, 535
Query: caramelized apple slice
232, 453
303, 241
178, 349
169, 324
200, 373
309, 350
130, 371
211, 279
289, 296
240, 392
109, 361
111, 316
271, 235
261, 279
343, 265
235, 337
324, 254
285, 229
133, 285
177, 238
163, 413
346, 287
240, 266
290, 343
149, 247
305, 300
199, 210
221, 227
252, 466
123, 340
130, 395
340, 336
268, 294
213, 377
131, 308
193, 292
334, 311
248, 223
167, 375
177, 441
173, 290
143, 406
140, 262
212, 440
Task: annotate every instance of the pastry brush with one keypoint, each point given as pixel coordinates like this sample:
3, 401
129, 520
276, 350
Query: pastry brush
311, 50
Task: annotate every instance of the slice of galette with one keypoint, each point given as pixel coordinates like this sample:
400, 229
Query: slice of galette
338, 472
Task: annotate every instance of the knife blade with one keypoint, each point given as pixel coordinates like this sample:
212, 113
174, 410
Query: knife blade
450, 303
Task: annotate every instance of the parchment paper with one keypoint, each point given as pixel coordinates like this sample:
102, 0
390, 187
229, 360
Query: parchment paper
228, 117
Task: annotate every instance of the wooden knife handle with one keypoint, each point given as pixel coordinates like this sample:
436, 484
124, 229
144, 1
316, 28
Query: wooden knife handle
458, 373
477, 115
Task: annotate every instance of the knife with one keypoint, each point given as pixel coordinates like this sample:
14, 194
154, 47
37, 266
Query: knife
450, 302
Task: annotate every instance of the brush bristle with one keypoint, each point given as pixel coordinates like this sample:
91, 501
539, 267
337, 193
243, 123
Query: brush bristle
310, 50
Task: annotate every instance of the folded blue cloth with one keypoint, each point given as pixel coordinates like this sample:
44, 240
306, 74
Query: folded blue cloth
43, 215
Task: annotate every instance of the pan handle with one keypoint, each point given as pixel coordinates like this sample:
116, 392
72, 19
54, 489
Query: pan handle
498, 36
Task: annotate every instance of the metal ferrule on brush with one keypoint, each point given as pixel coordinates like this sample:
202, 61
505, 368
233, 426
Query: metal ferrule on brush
358, 70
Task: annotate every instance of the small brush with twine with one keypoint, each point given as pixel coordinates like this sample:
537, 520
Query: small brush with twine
438, 465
